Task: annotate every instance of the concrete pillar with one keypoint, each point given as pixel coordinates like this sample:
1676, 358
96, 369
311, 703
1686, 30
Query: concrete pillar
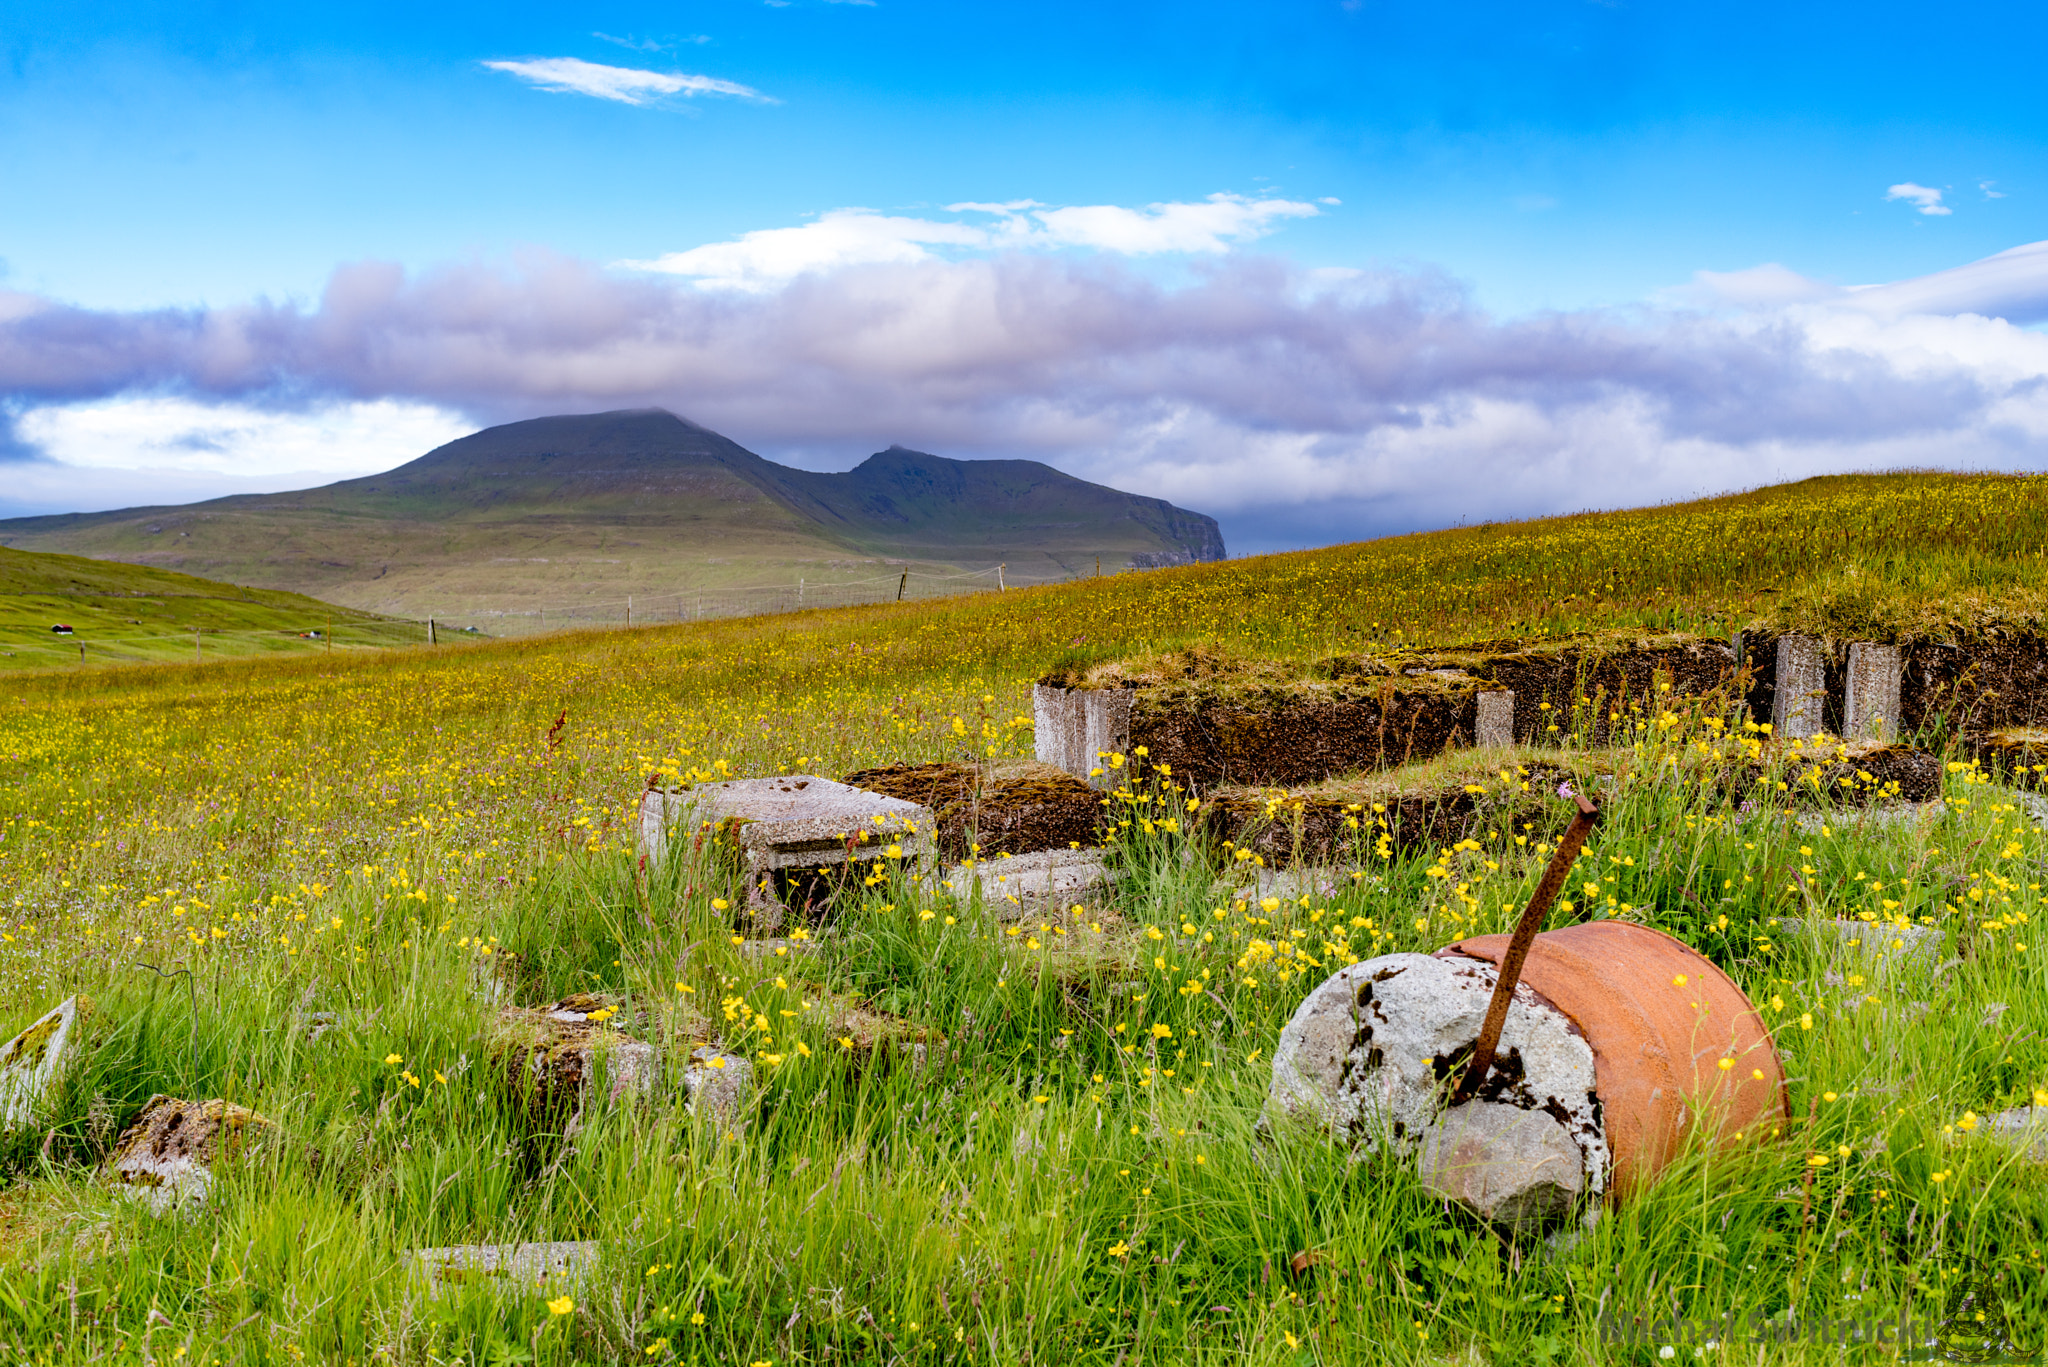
1105, 730
1072, 727
1056, 726
1870, 705
1496, 721
1802, 687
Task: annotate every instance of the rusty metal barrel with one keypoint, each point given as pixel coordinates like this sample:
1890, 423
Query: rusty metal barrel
1661, 1019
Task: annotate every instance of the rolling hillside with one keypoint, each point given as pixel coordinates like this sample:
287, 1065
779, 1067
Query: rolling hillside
127, 614
638, 501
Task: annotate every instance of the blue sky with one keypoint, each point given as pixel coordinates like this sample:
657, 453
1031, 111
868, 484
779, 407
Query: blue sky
1497, 165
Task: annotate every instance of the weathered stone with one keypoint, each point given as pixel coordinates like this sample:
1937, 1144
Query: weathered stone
2025, 1131
1028, 884
1057, 730
788, 827
720, 1085
166, 1158
1253, 883
555, 1052
1798, 700
1511, 1166
1870, 700
1876, 943
31, 1059
547, 1268
1496, 718
1369, 1055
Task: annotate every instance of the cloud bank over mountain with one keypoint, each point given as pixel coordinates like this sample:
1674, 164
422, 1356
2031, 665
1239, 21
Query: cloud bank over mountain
1297, 406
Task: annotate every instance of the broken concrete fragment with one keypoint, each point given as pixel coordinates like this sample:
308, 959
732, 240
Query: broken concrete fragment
790, 827
544, 1268
1368, 1055
1514, 1167
2024, 1131
166, 1158
556, 1051
1802, 687
1029, 884
30, 1060
720, 1084
1877, 942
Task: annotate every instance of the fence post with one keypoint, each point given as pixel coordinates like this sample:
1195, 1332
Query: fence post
999, 579
197, 653
799, 592
432, 639
901, 585
629, 612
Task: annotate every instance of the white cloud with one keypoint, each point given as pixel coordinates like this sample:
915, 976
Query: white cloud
770, 257
1767, 286
196, 444
627, 85
1927, 200
1989, 193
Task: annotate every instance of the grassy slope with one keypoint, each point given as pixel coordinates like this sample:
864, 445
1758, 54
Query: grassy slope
124, 614
608, 505
351, 827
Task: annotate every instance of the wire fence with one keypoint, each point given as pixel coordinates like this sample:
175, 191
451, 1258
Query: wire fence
686, 605
701, 605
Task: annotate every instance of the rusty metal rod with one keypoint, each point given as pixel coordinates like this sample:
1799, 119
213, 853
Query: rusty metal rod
1518, 947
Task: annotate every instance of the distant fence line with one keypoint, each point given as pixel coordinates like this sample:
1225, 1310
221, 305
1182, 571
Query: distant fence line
700, 605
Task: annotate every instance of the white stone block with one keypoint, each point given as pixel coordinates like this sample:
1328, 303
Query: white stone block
1028, 884
546, 1269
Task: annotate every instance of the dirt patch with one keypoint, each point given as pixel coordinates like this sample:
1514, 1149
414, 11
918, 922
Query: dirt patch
2020, 756
1005, 809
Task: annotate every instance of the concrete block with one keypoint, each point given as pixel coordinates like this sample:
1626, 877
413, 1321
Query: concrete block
2024, 1131
545, 1268
719, 1084
30, 1060
798, 821
559, 1050
1870, 703
1028, 884
1801, 694
1496, 722
1872, 944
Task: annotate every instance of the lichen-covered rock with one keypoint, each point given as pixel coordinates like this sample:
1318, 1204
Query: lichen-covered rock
2024, 1131
555, 1052
168, 1155
1372, 1053
31, 1059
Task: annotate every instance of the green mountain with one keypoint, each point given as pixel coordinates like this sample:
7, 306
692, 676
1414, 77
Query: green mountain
632, 502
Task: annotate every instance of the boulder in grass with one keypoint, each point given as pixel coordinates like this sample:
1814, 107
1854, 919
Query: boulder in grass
167, 1157
2024, 1131
31, 1059
555, 1052
1029, 884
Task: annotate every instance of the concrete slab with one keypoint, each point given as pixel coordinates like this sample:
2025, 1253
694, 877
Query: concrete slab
1028, 884
720, 1085
167, 1157
1802, 685
30, 1060
1870, 702
544, 1268
797, 821
1876, 943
